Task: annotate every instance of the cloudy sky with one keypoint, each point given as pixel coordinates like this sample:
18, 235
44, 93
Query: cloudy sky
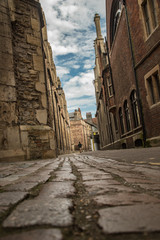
71, 33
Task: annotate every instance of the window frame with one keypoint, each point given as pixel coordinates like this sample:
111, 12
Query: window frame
149, 12
152, 84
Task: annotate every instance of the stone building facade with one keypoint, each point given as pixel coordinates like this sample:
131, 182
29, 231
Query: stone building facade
127, 78
34, 121
81, 131
94, 133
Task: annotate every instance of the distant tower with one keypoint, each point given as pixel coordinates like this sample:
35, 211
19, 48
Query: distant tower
89, 115
98, 26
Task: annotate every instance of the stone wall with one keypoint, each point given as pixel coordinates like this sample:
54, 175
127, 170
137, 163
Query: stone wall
28, 85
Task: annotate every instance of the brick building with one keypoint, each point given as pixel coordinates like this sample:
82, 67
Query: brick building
83, 131
127, 80
34, 121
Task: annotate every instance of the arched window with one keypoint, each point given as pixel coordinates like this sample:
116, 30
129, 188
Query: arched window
135, 110
115, 15
121, 120
127, 116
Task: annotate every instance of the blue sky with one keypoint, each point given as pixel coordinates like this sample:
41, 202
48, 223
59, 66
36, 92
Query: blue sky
71, 33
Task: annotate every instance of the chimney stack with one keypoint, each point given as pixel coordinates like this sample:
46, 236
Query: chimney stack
98, 26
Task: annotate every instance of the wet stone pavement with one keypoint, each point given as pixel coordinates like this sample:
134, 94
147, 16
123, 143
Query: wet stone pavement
79, 197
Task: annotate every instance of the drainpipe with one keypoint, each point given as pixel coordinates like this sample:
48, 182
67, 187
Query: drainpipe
135, 75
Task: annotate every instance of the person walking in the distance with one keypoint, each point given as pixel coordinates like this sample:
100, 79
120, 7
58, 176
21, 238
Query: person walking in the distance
80, 147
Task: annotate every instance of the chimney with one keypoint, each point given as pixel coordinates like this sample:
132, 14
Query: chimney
89, 115
98, 26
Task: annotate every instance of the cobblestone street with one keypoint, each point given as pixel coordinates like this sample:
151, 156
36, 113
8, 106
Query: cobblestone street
80, 196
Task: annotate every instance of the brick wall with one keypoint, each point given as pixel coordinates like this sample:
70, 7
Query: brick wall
147, 56
146, 53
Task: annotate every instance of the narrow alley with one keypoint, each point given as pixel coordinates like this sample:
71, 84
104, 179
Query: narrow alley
80, 197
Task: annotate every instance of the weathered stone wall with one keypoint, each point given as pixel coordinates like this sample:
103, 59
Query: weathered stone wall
28, 84
65, 134
29, 65
9, 131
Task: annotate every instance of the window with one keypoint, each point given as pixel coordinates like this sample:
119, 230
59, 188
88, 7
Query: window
150, 15
115, 15
153, 12
116, 20
127, 116
110, 87
146, 18
115, 122
135, 110
121, 120
153, 88
151, 93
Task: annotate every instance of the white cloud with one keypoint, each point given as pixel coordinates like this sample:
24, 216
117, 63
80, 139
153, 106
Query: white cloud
62, 50
71, 30
76, 66
62, 71
71, 17
80, 87
88, 66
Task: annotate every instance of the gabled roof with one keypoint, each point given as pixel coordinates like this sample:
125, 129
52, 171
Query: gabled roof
90, 123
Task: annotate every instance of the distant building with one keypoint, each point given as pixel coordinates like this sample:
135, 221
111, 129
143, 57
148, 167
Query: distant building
94, 134
34, 121
83, 131
127, 74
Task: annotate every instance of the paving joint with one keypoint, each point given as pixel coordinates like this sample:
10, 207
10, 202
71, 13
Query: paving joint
124, 182
85, 216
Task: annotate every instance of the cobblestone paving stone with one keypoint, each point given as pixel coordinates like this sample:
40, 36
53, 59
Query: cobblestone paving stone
3, 210
52, 211
117, 199
21, 186
64, 176
130, 218
57, 189
45, 234
8, 198
79, 197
